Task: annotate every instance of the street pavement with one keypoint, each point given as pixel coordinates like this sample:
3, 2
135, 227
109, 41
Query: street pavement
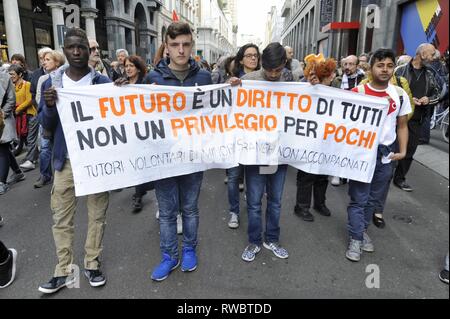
409, 254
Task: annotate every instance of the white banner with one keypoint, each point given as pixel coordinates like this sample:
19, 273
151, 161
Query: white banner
124, 136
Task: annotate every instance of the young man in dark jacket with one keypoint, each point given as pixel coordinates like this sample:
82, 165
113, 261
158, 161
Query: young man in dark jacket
63, 200
178, 194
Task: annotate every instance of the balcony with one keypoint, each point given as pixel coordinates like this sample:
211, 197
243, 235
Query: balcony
286, 10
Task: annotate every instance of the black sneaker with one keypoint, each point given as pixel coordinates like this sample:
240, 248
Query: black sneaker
403, 186
95, 277
8, 269
443, 276
42, 181
137, 204
304, 214
323, 210
56, 283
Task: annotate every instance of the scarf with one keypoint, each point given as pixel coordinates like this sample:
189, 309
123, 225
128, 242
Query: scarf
345, 85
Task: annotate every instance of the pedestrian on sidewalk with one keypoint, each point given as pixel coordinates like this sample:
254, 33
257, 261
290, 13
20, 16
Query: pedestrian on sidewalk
26, 109
7, 159
52, 61
181, 193
425, 93
63, 200
366, 197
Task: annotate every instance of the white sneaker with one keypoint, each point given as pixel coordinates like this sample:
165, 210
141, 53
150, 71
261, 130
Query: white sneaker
157, 214
234, 221
27, 165
179, 224
336, 181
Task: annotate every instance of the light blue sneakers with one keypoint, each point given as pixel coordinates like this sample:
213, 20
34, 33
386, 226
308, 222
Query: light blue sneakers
279, 251
250, 252
166, 266
188, 260
354, 250
367, 244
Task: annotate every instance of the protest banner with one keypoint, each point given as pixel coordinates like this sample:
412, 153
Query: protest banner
124, 136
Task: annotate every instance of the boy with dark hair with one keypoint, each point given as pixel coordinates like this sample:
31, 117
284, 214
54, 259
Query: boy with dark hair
63, 200
181, 193
366, 197
274, 61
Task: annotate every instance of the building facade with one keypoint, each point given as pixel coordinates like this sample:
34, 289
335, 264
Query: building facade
339, 28
214, 30
138, 26
274, 26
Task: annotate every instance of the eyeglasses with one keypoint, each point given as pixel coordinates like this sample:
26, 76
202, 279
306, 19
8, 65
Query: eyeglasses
249, 56
94, 49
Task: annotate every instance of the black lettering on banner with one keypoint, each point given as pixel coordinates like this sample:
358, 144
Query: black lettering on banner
301, 127
198, 101
220, 98
103, 137
324, 107
77, 113
157, 130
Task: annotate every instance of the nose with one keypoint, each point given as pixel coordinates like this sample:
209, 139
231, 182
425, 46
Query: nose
181, 49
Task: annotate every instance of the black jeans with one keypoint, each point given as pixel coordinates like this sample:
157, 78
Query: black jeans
307, 184
141, 190
7, 160
403, 166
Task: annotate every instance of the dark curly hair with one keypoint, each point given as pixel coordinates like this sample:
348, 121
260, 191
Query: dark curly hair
238, 67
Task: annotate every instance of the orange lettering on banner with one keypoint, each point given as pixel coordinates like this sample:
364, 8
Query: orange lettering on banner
349, 136
152, 107
176, 98
279, 96
211, 124
163, 101
365, 139
131, 99
192, 124
103, 107
291, 97
177, 124
239, 117
227, 129
253, 126
241, 97
258, 97
307, 108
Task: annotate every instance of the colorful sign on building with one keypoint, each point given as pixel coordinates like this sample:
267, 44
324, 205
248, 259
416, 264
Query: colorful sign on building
425, 21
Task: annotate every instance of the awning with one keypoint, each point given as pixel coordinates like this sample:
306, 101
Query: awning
355, 25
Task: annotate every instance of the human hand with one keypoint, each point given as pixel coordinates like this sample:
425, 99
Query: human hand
50, 97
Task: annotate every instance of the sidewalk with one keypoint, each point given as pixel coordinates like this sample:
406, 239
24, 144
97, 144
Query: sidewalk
434, 159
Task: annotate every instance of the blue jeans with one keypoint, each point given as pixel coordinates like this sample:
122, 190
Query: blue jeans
366, 198
235, 176
178, 194
45, 158
256, 185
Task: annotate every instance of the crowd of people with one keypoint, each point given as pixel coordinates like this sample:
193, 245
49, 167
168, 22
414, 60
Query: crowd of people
412, 85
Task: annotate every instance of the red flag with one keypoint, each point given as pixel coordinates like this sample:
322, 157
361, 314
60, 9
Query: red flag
175, 16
